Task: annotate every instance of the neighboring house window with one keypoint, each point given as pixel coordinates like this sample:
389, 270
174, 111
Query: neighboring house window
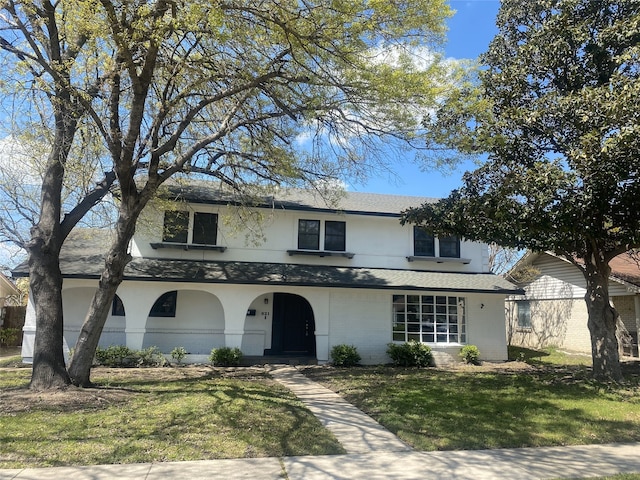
424, 244
449, 246
165, 305
117, 307
204, 230
524, 314
309, 234
429, 318
176, 226
335, 236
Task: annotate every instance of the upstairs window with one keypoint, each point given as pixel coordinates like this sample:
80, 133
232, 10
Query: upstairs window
309, 234
335, 236
424, 244
449, 246
198, 228
205, 228
176, 227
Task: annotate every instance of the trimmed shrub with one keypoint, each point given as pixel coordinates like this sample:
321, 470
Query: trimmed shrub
115, 356
226, 356
345, 355
123, 356
470, 354
178, 354
150, 357
410, 354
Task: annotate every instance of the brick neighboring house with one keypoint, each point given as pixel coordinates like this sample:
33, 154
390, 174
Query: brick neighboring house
553, 312
323, 275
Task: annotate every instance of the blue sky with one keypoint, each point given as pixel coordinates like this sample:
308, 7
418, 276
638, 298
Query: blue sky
470, 30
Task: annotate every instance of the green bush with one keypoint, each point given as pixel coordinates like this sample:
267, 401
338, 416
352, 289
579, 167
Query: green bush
345, 355
123, 356
470, 354
226, 356
8, 335
410, 354
178, 354
150, 357
115, 356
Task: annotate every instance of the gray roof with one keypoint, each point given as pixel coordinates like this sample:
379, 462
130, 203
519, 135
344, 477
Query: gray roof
298, 199
255, 273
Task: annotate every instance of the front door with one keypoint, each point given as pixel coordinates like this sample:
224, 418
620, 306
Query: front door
293, 326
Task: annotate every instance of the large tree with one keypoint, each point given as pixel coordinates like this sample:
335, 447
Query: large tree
250, 93
557, 110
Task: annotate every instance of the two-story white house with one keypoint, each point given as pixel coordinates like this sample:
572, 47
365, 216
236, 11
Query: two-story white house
321, 276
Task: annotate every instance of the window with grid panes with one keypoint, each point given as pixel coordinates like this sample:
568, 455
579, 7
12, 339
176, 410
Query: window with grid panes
429, 318
335, 236
309, 234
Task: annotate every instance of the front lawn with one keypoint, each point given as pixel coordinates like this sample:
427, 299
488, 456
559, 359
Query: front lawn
492, 406
155, 414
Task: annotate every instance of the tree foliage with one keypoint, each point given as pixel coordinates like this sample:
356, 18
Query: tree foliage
255, 93
557, 110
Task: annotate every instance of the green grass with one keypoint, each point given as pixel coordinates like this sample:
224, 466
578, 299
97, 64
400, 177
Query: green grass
620, 476
548, 356
433, 409
187, 414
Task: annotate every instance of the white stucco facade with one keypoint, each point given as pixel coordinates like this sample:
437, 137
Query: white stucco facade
247, 294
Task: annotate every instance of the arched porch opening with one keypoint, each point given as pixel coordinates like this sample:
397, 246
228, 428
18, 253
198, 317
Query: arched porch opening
193, 319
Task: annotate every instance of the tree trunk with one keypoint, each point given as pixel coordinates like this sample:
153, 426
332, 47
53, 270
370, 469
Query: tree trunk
602, 321
115, 262
49, 370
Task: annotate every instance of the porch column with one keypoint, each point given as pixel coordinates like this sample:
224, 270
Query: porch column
235, 305
636, 301
29, 332
137, 303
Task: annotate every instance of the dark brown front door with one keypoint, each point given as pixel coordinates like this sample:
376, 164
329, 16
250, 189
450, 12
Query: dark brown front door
293, 326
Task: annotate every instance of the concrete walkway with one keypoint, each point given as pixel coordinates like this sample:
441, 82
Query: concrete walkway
357, 432
374, 454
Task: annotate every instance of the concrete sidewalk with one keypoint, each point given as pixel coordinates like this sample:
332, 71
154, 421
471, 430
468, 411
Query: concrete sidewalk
521, 464
373, 453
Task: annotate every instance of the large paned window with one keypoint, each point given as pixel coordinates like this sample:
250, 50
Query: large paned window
424, 244
429, 318
184, 227
310, 233
524, 314
335, 236
165, 305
